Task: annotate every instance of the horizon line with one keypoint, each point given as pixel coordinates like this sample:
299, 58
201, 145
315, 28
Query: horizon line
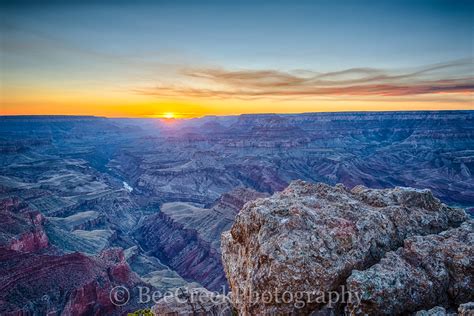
224, 115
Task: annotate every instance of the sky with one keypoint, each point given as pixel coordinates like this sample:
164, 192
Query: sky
195, 58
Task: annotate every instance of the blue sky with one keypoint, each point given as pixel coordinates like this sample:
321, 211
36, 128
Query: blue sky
121, 46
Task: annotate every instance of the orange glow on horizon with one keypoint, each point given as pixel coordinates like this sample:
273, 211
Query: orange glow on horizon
56, 98
143, 110
61, 102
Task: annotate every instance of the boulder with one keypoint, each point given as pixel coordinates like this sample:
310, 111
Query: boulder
427, 271
292, 252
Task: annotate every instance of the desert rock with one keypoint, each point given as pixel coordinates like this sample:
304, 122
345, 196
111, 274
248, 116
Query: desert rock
427, 271
310, 237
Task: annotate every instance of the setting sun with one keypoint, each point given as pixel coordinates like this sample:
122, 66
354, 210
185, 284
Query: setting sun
169, 115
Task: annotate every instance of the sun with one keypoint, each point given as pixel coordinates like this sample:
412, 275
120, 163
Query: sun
168, 115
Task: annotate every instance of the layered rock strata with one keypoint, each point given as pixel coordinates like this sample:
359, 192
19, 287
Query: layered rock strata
186, 237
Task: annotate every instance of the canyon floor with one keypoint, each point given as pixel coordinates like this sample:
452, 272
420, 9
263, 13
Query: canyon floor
90, 203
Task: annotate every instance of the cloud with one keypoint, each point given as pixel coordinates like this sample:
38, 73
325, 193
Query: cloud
452, 77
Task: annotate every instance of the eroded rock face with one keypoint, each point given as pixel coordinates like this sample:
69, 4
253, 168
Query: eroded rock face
310, 237
21, 228
38, 279
186, 237
72, 284
92, 297
427, 271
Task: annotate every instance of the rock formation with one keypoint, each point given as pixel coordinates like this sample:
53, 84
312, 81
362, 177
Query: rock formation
185, 237
466, 309
435, 311
36, 278
310, 237
72, 284
21, 228
427, 271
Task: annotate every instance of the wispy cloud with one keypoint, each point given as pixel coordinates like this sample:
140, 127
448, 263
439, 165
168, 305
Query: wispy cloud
451, 77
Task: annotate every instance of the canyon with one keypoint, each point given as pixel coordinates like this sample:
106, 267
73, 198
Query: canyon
145, 201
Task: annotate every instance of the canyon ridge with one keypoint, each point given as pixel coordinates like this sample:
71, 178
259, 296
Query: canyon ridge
377, 202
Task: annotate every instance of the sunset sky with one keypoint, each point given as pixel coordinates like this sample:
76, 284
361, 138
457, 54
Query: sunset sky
193, 58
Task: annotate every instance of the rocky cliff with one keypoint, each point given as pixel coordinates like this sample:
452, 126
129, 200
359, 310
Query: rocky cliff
294, 252
21, 227
72, 284
186, 237
36, 278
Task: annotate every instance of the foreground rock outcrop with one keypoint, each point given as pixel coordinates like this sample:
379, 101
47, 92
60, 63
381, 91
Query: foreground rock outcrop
466, 309
426, 271
307, 240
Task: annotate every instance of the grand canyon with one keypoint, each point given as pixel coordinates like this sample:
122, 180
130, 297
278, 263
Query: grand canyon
236, 158
378, 202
